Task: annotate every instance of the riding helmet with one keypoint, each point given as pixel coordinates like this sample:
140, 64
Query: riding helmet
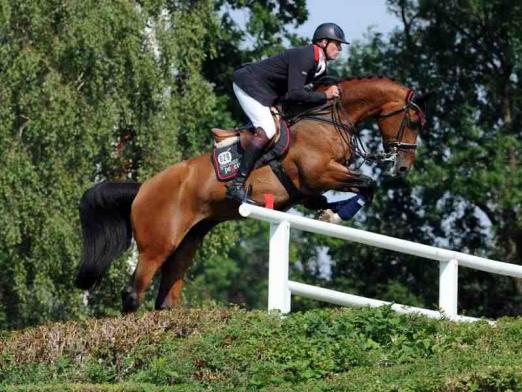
329, 31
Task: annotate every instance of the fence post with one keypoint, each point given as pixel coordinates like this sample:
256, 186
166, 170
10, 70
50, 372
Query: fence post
448, 286
278, 291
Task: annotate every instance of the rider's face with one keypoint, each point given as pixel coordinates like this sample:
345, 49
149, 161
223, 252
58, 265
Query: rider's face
333, 50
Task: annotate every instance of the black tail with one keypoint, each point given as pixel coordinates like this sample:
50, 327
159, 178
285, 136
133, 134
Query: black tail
106, 228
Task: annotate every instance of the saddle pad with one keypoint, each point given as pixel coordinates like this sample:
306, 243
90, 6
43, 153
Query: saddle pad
226, 159
226, 156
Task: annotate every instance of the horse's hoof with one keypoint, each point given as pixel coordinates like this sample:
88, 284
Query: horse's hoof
130, 300
329, 216
165, 305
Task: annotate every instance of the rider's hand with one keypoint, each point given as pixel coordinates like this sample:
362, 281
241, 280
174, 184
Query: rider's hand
332, 92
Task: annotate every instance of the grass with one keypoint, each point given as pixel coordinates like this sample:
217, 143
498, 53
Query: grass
229, 349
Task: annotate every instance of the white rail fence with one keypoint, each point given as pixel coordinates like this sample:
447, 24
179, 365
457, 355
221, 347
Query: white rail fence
280, 288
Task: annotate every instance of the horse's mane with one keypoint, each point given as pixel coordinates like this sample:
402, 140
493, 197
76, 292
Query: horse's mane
381, 85
330, 80
369, 77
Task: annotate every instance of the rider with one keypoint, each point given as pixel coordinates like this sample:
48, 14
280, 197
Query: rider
284, 76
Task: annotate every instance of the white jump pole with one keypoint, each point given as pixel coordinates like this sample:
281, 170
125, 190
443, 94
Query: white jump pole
278, 291
280, 288
448, 286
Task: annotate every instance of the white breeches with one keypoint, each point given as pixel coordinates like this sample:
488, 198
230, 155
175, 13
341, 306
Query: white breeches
259, 114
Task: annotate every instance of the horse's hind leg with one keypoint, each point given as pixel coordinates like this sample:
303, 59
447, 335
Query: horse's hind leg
173, 270
155, 247
148, 264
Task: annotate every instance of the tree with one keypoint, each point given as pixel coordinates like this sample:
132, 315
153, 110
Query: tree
76, 79
94, 91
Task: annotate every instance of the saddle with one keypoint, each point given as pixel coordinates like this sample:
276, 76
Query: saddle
225, 136
230, 143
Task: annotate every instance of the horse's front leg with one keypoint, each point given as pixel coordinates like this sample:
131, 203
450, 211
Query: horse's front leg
338, 177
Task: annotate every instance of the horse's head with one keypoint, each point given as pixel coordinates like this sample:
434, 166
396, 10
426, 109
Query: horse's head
399, 128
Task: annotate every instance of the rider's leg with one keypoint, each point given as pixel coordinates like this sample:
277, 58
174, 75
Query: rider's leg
235, 189
261, 118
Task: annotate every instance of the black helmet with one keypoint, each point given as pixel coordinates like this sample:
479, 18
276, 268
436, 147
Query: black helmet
329, 31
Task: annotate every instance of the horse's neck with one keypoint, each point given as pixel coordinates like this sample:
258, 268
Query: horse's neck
365, 99
359, 112
363, 102
362, 109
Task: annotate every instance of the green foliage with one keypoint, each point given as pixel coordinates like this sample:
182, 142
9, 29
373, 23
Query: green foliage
76, 78
239, 277
218, 349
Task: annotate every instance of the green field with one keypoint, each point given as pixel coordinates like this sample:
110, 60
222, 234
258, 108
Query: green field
232, 349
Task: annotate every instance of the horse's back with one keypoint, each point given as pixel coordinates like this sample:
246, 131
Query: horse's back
181, 186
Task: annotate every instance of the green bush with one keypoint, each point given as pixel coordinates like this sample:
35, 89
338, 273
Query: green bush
231, 349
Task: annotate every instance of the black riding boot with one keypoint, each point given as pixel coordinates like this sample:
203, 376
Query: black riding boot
254, 149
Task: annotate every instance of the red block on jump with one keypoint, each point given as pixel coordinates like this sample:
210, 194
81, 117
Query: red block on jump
269, 200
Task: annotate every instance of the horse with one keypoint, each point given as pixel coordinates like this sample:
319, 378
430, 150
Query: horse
169, 214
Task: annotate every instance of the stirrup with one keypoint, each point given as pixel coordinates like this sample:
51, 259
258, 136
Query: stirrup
247, 198
235, 191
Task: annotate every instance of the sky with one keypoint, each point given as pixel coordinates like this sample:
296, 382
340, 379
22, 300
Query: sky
354, 17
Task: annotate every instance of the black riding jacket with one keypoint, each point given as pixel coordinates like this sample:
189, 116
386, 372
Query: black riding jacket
281, 77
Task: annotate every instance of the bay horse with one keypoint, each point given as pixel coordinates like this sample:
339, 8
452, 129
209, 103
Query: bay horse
170, 214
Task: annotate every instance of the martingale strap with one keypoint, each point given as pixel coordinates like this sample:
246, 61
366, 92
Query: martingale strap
294, 193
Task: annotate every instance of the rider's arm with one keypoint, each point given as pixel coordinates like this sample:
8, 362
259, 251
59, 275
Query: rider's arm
299, 64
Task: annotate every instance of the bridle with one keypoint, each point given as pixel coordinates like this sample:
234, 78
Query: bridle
396, 143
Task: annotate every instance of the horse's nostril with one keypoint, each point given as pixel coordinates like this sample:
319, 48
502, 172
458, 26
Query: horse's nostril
403, 169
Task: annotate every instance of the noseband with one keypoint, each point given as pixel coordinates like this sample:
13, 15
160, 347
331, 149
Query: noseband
396, 143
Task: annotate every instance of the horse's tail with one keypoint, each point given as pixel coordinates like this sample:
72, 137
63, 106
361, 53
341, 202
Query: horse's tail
106, 228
